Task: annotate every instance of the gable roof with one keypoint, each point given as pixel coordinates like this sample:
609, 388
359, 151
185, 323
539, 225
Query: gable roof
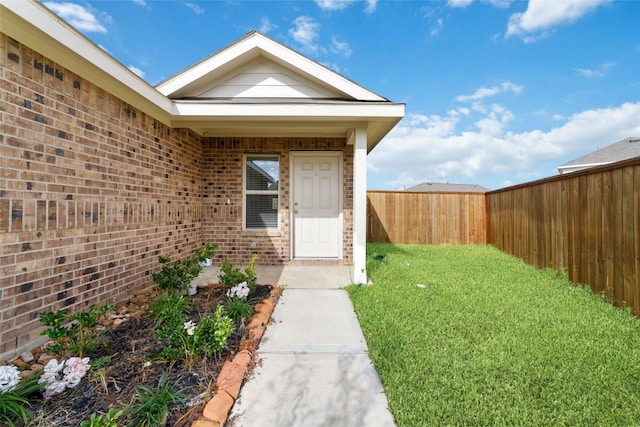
254, 46
253, 87
622, 150
259, 87
440, 187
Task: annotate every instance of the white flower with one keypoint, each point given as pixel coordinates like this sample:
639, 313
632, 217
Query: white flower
73, 368
48, 377
190, 327
77, 366
73, 379
241, 291
146, 364
9, 378
53, 367
54, 388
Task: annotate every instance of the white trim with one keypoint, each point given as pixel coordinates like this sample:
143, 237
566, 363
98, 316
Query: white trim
296, 154
273, 108
360, 206
578, 167
246, 192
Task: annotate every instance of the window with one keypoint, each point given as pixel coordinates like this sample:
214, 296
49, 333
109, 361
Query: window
261, 179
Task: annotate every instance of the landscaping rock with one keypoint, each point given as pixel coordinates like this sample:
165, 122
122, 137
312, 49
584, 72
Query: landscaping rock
20, 363
27, 357
230, 378
218, 407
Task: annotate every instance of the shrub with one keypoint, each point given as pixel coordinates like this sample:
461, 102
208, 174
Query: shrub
212, 332
175, 277
76, 332
231, 275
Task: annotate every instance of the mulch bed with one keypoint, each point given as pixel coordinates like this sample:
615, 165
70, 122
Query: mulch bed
131, 345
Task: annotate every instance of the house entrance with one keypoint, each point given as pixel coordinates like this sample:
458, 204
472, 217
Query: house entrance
316, 205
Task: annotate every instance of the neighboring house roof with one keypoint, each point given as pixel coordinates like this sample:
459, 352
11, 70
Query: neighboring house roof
253, 87
622, 150
439, 187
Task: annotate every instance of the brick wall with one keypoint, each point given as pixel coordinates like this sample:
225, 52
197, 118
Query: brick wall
222, 202
91, 192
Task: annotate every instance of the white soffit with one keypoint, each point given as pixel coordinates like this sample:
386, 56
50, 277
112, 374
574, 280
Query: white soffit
229, 62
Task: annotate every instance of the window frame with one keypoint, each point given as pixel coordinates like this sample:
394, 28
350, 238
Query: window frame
246, 192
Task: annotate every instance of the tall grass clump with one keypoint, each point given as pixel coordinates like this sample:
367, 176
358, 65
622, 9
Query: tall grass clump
467, 335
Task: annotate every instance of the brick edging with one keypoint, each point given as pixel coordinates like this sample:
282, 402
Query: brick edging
233, 372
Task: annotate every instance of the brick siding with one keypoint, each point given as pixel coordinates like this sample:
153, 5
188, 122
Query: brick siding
92, 191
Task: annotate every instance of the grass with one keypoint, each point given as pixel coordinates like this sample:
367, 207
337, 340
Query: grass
490, 340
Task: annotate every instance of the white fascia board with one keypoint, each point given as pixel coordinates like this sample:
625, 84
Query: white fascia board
575, 168
360, 111
35, 26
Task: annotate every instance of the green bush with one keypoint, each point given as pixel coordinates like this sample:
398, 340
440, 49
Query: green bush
176, 277
75, 332
232, 275
212, 332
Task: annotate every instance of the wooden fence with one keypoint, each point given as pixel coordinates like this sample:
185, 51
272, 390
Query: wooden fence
585, 223
426, 218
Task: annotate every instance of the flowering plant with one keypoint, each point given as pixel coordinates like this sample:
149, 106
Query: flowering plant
74, 369
241, 290
15, 395
238, 306
9, 378
190, 327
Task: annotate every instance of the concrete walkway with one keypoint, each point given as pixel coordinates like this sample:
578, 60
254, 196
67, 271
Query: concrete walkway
313, 363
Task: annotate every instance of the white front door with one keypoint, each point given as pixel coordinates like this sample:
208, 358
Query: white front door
316, 205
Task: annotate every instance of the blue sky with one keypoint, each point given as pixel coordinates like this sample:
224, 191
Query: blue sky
497, 92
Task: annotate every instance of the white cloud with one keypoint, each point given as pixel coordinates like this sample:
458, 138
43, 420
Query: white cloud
137, 71
333, 4
437, 27
459, 3
500, 3
343, 4
266, 25
371, 6
542, 15
340, 47
196, 8
140, 2
600, 71
306, 32
438, 148
79, 17
485, 92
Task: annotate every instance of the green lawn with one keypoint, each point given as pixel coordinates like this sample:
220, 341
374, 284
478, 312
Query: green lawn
490, 340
